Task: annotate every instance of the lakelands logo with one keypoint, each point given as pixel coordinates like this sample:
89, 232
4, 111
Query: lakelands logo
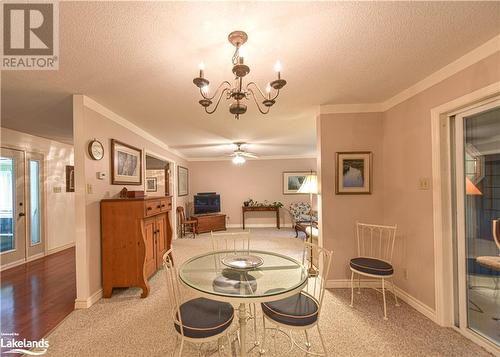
23, 346
30, 38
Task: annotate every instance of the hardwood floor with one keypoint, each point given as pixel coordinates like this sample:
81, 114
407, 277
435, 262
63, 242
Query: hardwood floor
37, 296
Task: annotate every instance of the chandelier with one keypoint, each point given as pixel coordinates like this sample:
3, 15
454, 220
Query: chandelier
237, 91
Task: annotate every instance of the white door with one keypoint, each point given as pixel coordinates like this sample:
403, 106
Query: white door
12, 207
476, 139
21, 206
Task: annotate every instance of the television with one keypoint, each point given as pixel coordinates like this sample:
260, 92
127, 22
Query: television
206, 203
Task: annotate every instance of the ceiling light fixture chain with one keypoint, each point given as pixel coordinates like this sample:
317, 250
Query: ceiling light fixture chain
237, 92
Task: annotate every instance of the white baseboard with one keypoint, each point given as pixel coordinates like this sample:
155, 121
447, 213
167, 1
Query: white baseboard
403, 295
60, 248
12, 264
85, 304
255, 225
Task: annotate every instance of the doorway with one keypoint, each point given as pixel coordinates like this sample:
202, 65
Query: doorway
21, 207
475, 158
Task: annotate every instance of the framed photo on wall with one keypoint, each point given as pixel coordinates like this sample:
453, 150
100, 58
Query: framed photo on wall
353, 174
292, 180
126, 164
182, 181
151, 184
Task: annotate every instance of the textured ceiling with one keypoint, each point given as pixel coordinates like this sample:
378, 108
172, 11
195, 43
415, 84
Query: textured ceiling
138, 59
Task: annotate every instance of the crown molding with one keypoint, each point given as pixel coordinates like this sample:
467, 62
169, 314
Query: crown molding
101, 109
228, 158
478, 54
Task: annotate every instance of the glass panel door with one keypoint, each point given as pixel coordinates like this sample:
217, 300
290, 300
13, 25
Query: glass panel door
478, 224
12, 207
35, 204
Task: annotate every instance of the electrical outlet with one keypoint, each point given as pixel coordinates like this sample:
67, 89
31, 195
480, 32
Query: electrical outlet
424, 183
90, 189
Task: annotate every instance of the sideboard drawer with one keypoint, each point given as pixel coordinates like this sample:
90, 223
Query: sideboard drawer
152, 208
166, 204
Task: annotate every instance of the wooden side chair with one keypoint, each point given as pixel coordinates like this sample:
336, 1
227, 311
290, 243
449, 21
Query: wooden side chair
375, 249
186, 225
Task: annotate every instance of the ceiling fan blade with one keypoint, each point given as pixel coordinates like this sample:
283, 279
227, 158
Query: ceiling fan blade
249, 154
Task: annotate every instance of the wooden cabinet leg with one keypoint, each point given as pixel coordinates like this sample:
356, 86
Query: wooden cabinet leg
107, 291
145, 289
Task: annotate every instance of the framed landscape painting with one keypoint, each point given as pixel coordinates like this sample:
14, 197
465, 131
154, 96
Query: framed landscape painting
126, 164
353, 174
292, 180
182, 181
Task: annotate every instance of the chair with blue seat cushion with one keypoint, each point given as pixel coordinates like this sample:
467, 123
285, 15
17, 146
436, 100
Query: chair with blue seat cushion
375, 245
301, 311
197, 320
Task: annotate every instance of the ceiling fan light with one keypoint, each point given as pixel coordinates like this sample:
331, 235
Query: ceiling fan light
238, 160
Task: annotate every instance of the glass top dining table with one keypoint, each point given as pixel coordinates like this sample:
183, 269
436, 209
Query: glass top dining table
278, 277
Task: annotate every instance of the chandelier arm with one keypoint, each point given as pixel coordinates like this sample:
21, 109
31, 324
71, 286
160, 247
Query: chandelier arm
215, 93
257, 103
236, 55
262, 93
216, 104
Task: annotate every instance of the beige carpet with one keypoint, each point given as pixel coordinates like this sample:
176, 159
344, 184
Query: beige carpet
126, 325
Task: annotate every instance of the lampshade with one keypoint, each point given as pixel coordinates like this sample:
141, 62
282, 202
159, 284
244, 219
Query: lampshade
471, 189
310, 184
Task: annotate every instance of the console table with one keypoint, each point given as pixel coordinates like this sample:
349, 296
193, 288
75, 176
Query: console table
245, 209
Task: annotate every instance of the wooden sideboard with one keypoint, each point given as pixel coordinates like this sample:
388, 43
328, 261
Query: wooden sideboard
210, 222
135, 233
245, 209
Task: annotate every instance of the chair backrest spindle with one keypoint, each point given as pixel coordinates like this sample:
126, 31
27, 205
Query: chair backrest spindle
384, 237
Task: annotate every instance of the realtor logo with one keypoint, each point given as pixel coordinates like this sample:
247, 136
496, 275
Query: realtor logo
30, 35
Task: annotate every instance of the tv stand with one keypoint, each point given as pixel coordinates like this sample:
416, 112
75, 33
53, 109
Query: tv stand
210, 222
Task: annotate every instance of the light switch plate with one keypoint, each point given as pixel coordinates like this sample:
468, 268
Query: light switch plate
424, 183
90, 189
56, 189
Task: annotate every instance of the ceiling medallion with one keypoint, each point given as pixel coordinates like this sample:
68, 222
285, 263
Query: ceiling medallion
237, 92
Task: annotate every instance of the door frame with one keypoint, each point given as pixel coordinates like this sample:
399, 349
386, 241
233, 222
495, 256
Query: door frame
43, 216
173, 176
442, 209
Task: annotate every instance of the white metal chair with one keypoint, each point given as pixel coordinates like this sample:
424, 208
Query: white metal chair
375, 249
197, 320
301, 312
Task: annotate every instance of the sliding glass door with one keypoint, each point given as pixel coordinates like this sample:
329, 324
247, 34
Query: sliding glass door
477, 186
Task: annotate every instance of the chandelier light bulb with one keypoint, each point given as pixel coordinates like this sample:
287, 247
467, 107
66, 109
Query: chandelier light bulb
238, 160
205, 89
242, 54
268, 88
277, 66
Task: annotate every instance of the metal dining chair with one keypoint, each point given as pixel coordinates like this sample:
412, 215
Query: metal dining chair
375, 249
301, 312
229, 281
197, 320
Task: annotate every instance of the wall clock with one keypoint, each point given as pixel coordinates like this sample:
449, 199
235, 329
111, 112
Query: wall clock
96, 150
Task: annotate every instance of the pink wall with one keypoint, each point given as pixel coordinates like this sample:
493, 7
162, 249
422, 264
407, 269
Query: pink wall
348, 132
92, 124
257, 179
401, 141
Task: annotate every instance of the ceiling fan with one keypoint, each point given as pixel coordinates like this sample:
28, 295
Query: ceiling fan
239, 155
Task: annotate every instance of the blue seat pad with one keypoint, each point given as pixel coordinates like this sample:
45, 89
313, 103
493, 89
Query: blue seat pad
203, 318
372, 266
296, 310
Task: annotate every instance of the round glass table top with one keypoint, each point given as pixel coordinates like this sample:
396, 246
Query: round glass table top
277, 275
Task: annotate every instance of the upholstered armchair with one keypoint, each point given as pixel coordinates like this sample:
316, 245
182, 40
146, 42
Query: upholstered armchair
301, 212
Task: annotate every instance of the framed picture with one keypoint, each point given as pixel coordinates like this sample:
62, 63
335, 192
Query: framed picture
182, 181
292, 180
353, 174
151, 184
126, 164
70, 178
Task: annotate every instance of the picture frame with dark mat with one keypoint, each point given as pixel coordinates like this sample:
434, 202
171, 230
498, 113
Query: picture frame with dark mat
353, 173
126, 164
151, 184
292, 180
182, 181
70, 178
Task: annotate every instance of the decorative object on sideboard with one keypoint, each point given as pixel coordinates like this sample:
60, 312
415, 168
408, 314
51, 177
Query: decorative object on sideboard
353, 174
237, 91
182, 181
123, 193
136, 194
151, 184
126, 164
95, 149
292, 180
70, 178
